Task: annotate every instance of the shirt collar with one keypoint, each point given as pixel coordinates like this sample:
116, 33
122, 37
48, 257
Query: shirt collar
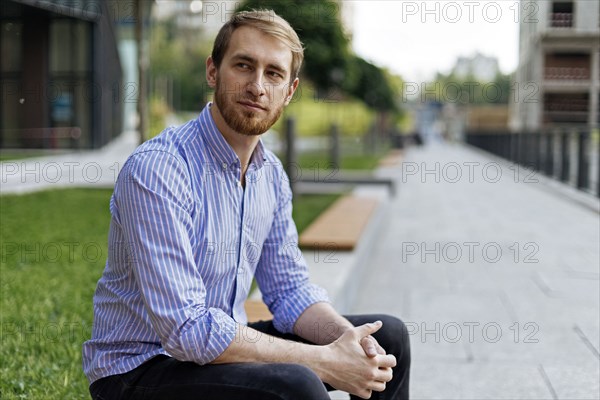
258, 155
219, 147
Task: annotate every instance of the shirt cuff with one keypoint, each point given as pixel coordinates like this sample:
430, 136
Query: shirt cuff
209, 336
295, 303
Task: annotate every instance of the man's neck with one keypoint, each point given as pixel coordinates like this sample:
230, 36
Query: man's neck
242, 145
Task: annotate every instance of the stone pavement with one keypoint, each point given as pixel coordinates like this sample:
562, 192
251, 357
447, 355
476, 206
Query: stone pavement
497, 275
86, 168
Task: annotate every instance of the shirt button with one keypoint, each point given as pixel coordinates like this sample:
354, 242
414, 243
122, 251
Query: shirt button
224, 165
239, 183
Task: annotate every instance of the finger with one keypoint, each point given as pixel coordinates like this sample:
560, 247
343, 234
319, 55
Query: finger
384, 375
386, 361
377, 386
367, 329
369, 346
364, 393
380, 350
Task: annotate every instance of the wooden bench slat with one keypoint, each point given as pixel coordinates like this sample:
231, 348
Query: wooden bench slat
256, 310
393, 158
340, 226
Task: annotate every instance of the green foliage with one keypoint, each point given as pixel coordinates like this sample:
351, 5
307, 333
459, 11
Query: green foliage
314, 115
178, 65
453, 89
372, 86
317, 22
158, 114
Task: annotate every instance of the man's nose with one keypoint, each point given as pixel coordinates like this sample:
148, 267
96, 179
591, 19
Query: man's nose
256, 86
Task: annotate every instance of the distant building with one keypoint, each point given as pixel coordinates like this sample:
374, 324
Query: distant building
61, 75
479, 66
557, 82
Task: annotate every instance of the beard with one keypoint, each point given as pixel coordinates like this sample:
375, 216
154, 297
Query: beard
245, 122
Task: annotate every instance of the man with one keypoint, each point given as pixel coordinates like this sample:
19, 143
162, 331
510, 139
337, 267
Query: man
197, 212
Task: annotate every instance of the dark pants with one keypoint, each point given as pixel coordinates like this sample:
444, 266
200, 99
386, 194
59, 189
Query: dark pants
164, 377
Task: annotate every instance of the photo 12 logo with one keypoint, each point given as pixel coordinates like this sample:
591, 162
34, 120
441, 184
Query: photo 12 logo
469, 11
52, 172
50, 252
467, 171
469, 252
488, 332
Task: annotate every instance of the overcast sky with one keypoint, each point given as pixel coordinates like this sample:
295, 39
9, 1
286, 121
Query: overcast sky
405, 36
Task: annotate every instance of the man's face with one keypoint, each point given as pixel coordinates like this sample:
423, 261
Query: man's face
252, 85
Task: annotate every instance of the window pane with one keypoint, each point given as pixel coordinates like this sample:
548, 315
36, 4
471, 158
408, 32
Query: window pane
81, 47
11, 56
11, 112
60, 46
562, 15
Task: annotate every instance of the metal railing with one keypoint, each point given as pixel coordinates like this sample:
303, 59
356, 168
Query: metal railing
568, 155
334, 147
561, 20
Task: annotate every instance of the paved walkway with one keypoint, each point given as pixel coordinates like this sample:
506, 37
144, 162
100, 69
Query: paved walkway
87, 168
496, 276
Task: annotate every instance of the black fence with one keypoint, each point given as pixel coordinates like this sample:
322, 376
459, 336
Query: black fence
568, 155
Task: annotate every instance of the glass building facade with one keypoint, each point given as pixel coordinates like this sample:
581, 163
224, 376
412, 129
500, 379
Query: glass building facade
60, 74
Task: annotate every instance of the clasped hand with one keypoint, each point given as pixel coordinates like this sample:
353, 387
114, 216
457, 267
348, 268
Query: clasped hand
360, 365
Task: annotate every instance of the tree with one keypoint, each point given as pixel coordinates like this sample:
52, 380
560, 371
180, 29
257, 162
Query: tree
373, 86
469, 90
327, 49
178, 56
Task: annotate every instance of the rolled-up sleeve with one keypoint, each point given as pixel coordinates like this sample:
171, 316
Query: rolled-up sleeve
154, 204
282, 272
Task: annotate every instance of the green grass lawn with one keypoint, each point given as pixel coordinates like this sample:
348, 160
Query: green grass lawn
308, 207
8, 155
53, 247
311, 160
317, 166
53, 251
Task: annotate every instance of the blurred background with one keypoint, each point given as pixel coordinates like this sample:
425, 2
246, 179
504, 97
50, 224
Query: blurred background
393, 95
76, 74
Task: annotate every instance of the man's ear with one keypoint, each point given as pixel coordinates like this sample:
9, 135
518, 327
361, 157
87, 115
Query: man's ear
211, 72
291, 89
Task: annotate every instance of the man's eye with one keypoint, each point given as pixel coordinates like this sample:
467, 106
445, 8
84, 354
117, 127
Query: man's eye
243, 66
275, 74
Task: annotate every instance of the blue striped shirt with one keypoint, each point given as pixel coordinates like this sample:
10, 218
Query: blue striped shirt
185, 241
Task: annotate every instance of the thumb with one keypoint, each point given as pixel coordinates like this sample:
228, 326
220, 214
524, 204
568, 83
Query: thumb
368, 329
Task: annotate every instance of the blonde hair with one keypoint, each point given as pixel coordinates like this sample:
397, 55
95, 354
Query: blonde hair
266, 21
